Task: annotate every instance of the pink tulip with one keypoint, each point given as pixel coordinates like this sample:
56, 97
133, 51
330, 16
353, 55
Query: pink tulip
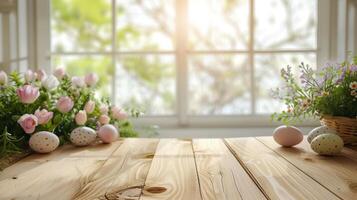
43, 116
104, 109
3, 78
59, 73
29, 76
91, 79
118, 114
41, 74
78, 82
28, 123
104, 119
64, 104
89, 107
28, 94
81, 117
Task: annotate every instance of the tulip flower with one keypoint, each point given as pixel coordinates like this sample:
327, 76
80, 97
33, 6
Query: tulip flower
59, 73
43, 116
78, 82
91, 79
81, 118
50, 82
29, 76
89, 107
64, 104
3, 78
28, 123
118, 114
104, 119
41, 74
104, 109
28, 94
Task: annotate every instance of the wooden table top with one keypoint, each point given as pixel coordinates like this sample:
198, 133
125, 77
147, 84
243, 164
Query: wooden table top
175, 169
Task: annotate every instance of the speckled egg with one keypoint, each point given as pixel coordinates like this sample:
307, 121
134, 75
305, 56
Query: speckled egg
287, 136
44, 142
318, 131
327, 144
108, 133
83, 136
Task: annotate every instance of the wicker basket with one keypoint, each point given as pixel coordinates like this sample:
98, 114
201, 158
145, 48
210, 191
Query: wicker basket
345, 127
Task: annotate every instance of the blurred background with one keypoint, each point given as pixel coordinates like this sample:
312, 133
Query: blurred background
195, 68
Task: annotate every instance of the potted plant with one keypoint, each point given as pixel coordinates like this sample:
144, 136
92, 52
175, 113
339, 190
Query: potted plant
329, 93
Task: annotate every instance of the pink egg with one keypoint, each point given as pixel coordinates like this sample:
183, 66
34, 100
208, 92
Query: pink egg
287, 136
108, 133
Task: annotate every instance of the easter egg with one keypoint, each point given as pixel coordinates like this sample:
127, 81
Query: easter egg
83, 136
44, 142
287, 136
108, 133
318, 131
327, 144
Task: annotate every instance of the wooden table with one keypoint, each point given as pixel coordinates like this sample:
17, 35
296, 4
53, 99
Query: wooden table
174, 169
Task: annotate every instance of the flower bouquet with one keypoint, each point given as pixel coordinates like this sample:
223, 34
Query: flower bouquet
42, 111
329, 93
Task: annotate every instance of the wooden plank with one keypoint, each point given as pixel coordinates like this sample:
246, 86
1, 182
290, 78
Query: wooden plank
55, 176
172, 174
278, 178
337, 173
123, 174
220, 174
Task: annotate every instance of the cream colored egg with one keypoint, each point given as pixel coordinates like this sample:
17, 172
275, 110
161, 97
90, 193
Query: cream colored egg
287, 136
83, 136
44, 142
318, 131
327, 144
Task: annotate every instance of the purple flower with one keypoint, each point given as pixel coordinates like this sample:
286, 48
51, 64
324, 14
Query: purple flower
353, 68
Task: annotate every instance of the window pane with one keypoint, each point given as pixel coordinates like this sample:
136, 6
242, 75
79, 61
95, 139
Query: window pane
267, 76
145, 25
217, 24
13, 36
23, 65
80, 25
147, 82
82, 65
219, 84
22, 24
281, 24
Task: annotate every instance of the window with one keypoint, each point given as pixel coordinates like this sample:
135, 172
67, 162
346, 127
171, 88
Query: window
13, 35
185, 58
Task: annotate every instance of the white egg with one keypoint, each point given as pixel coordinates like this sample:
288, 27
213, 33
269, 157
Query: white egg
318, 131
327, 144
287, 136
83, 136
44, 142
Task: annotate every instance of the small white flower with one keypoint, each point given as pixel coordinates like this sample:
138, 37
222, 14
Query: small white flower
3, 78
50, 82
353, 85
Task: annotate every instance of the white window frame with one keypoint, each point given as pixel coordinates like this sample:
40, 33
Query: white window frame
10, 37
326, 50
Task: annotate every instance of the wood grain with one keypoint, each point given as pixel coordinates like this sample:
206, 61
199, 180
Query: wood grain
220, 174
55, 175
279, 178
172, 174
123, 175
337, 173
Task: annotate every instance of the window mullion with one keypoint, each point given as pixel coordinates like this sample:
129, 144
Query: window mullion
251, 57
113, 54
181, 61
